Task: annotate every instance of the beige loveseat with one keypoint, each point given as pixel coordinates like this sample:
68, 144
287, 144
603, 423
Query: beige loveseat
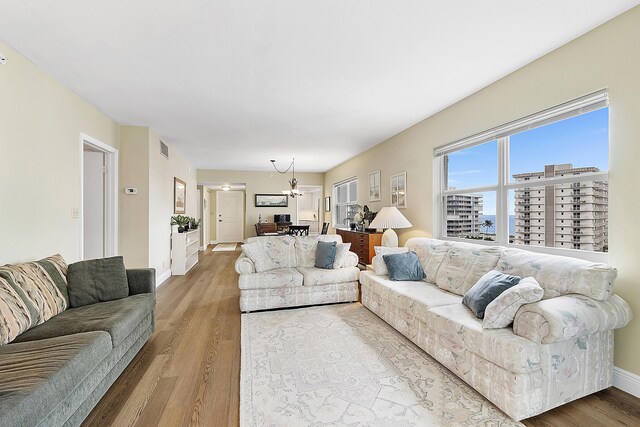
558, 349
295, 281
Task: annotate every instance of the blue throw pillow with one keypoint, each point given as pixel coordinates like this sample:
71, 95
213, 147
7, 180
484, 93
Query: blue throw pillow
488, 288
404, 266
325, 255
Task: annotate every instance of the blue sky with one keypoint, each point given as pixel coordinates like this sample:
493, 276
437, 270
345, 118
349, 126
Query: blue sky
581, 141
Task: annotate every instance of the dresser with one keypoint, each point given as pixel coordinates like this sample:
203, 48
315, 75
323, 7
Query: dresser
362, 243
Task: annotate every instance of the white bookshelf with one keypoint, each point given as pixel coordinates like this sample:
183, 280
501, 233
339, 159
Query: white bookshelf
184, 251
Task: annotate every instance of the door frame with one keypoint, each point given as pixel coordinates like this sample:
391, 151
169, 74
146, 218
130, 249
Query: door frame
110, 194
320, 204
244, 217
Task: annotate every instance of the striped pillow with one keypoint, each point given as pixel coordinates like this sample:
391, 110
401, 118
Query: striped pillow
17, 311
44, 283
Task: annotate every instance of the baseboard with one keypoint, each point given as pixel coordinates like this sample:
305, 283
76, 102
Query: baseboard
213, 242
626, 381
162, 278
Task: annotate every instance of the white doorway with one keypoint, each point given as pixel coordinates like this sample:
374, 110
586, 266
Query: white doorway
99, 199
229, 216
308, 207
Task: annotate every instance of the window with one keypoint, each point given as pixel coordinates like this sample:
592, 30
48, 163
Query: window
345, 196
486, 180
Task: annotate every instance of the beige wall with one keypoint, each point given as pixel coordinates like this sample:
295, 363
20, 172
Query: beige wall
40, 161
257, 183
607, 57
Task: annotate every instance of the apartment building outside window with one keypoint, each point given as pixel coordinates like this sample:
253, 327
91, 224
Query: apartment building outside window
521, 181
345, 196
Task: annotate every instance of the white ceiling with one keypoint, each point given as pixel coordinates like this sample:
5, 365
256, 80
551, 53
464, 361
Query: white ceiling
234, 83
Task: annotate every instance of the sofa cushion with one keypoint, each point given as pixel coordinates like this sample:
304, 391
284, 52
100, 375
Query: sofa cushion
559, 275
502, 310
97, 280
318, 276
17, 311
36, 376
280, 249
40, 286
342, 253
488, 288
118, 318
500, 346
277, 278
431, 253
379, 266
464, 264
258, 256
404, 266
305, 248
325, 255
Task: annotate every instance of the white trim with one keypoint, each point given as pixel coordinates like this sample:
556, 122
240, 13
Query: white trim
111, 194
626, 381
162, 278
213, 242
334, 214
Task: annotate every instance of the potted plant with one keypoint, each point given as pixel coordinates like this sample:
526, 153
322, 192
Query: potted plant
181, 221
194, 224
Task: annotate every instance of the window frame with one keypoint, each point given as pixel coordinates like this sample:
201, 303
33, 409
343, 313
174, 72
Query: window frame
346, 183
502, 135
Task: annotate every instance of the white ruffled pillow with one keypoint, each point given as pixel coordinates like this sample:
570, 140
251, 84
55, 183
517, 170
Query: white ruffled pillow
259, 257
379, 266
342, 249
502, 310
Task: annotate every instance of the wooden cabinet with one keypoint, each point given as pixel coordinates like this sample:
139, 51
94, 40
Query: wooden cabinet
362, 243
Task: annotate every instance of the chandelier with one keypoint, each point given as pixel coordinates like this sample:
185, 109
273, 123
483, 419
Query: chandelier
293, 182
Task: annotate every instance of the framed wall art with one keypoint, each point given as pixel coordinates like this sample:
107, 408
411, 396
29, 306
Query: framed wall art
272, 200
374, 186
179, 196
399, 190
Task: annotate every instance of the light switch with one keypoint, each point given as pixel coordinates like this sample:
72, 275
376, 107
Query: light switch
130, 191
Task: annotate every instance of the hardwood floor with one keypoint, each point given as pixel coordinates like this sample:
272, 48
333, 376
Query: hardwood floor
188, 373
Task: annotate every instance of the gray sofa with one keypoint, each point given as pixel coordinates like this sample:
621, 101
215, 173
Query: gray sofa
55, 373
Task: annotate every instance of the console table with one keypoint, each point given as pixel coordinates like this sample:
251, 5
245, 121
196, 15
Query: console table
362, 243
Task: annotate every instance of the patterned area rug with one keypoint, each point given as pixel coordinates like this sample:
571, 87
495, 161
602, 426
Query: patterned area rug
225, 247
342, 365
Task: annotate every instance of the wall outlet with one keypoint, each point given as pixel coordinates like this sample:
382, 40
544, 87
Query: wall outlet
75, 213
130, 191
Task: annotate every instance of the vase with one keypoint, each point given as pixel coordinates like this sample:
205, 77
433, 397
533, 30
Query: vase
352, 226
180, 229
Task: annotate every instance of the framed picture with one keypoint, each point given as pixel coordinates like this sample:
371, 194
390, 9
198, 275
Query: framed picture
272, 200
399, 190
327, 204
179, 196
374, 186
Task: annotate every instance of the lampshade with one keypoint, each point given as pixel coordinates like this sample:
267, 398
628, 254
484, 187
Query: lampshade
390, 217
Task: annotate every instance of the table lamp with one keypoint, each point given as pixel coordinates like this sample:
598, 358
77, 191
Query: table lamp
390, 218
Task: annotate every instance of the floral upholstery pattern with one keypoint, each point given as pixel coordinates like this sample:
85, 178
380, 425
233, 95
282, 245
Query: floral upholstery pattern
464, 264
379, 266
318, 276
277, 278
560, 275
263, 299
244, 265
501, 311
260, 261
280, 249
570, 316
431, 253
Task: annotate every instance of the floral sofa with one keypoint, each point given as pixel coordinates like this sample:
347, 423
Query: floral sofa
558, 349
294, 281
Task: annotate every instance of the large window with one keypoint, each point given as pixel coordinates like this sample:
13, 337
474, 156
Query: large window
540, 181
345, 196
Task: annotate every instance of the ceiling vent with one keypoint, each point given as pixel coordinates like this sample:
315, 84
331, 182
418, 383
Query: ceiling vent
164, 149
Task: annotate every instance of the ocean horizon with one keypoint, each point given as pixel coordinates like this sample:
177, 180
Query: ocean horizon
492, 218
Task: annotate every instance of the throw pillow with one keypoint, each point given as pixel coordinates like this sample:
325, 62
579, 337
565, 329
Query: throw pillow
488, 288
502, 310
342, 250
325, 255
17, 312
256, 253
379, 266
404, 266
97, 280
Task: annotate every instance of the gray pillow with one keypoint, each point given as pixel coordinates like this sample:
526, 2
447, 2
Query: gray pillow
404, 266
97, 280
486, 289
325, 255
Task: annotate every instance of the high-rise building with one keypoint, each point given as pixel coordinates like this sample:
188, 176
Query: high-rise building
572, 216
464, 213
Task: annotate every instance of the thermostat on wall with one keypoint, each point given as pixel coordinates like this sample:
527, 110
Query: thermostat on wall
130, 191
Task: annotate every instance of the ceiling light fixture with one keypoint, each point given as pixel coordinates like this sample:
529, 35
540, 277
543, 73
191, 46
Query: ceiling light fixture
293, 182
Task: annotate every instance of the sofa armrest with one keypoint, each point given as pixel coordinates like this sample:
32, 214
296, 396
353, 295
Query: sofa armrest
351, 260
244, 265
569, 316
141, 281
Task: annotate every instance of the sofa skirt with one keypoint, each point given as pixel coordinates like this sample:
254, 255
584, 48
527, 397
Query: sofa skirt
265, 299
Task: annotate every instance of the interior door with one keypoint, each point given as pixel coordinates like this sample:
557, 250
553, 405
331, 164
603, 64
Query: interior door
93, 218
230, 215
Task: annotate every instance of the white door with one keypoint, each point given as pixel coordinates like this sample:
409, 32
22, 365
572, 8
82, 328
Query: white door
93, 205
230, 216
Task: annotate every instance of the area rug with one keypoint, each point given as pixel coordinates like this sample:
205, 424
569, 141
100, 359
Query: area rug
225, 247
342, 365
